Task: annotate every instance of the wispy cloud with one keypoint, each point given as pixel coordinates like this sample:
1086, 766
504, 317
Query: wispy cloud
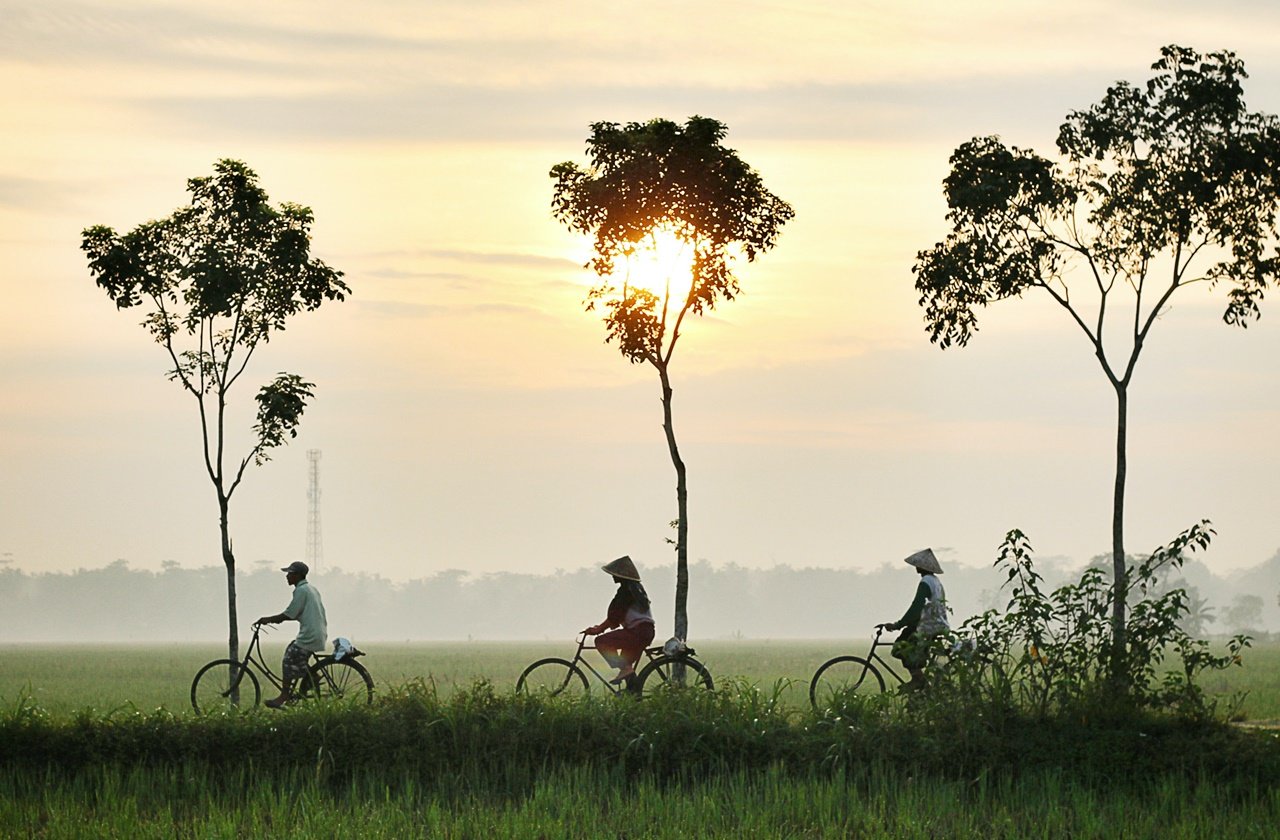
407, 309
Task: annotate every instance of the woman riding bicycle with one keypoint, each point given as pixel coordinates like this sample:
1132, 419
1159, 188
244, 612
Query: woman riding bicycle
629, 611
924, 619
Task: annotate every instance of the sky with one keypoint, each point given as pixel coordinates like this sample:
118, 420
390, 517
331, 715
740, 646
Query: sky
468, 412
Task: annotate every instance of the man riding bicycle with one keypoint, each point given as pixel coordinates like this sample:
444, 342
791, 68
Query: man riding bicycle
307, 609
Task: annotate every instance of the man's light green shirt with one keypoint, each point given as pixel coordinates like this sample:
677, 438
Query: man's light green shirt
308, 610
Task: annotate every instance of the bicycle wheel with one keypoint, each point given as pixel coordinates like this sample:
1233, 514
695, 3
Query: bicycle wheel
842, 677
659, 674
337, 681
211, 689
550, 677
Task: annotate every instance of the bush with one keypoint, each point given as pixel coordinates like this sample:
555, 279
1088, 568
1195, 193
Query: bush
1053, 653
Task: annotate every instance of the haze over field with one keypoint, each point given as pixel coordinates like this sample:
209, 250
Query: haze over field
469, 413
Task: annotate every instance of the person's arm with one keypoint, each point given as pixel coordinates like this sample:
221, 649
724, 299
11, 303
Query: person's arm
617, 612
912, 616
290, 613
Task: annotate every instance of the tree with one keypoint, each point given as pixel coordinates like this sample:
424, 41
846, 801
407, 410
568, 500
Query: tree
1245, 614
1156, 188
218, 278
647, 183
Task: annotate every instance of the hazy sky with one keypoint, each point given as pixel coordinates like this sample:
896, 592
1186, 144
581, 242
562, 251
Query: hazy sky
470, 415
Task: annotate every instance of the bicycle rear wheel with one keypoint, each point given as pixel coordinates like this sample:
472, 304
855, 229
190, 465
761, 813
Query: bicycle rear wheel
551, 677
211, 690
659, 675
338, 681
841, 678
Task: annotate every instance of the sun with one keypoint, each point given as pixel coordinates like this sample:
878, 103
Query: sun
662, 263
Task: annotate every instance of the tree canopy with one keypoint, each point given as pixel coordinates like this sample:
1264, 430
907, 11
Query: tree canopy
660, 177
217, 278
1155, 188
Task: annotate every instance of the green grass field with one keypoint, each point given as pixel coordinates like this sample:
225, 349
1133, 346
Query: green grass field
67, 678
497, 768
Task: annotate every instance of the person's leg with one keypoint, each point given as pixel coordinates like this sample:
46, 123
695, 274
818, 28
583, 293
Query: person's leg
610, 646
624, 648
638, 638
293, 666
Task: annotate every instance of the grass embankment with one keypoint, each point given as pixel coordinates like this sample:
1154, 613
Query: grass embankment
68, 678
736, 762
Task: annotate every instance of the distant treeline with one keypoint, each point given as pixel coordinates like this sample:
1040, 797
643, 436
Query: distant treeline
119, 604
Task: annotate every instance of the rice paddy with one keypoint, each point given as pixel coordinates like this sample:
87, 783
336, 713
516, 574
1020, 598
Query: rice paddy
100, 741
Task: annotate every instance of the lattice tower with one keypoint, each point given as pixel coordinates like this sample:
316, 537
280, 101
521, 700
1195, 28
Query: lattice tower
315, 550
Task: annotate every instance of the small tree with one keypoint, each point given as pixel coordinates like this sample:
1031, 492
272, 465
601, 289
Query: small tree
1245, 614
218, 278
654, 179
1158, 188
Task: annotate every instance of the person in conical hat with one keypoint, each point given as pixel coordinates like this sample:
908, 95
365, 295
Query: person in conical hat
629, 611
924, 619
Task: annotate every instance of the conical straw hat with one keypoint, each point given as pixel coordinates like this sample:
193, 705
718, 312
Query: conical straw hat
924, 561
623, 568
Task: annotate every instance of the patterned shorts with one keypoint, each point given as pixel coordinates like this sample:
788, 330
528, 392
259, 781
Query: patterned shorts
295, 662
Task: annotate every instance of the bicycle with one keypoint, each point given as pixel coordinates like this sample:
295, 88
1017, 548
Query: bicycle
844, 675
228, 684
553, 676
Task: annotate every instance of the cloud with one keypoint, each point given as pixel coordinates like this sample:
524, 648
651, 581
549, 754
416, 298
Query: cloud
34, 193
400, 274
429, 114
407, 309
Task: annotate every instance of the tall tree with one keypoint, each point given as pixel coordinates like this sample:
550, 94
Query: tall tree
646, 183
217, 279
1156, 188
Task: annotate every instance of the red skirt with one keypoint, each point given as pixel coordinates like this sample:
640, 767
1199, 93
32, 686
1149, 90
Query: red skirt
630, 641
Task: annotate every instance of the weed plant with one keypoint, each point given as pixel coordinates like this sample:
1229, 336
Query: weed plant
1053, 653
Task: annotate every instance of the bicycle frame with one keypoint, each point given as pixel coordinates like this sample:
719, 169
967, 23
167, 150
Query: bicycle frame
253, 656
580, 660
874, 657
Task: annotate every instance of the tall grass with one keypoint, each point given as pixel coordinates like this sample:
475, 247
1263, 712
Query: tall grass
738, 762
483, 731
604, 800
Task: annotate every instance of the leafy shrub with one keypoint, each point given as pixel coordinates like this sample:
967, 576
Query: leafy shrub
1053, 653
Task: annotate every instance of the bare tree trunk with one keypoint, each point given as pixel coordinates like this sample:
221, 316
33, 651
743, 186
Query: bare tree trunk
229, 560
1119, 567
682, 508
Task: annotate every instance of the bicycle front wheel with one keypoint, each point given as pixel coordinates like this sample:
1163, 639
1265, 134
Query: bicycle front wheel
841, 678
660, 674
551, 677
213, 690
338, 681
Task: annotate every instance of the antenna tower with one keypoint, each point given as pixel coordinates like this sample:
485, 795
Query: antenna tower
315, 551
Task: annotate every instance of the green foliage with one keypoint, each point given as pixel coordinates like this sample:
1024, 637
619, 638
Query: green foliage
1150, 183
660, 176
221, 275
225, 273
1053, 653
1178, 166
280, 406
